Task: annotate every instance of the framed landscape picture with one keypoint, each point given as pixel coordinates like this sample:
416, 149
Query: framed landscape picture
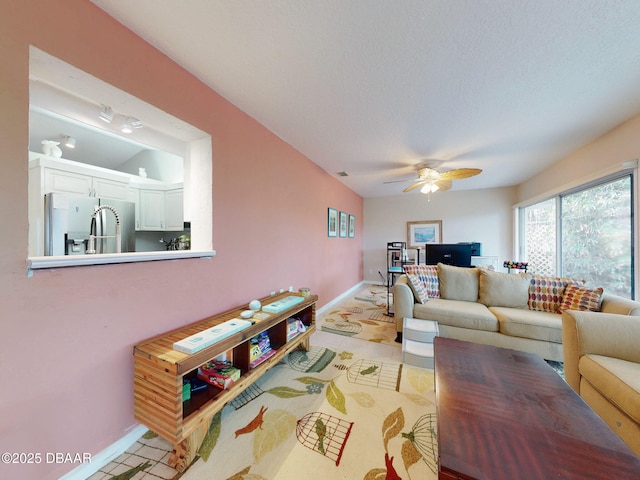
333, 222
343, 224
352, 226
419, 233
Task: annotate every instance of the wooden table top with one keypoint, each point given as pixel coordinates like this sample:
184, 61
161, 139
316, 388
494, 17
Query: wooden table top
160, 347
505, 414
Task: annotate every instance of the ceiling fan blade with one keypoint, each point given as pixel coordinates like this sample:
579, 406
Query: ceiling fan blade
460, 173
415, 185
399, 181
443, 185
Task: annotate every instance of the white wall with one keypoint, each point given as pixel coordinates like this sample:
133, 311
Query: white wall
484, 216
596, 159
163, 166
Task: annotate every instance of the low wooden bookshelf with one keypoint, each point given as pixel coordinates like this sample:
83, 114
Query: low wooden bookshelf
159, 371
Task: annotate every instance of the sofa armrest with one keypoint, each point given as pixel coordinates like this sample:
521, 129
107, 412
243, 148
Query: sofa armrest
403, 301
616, 304
598, 333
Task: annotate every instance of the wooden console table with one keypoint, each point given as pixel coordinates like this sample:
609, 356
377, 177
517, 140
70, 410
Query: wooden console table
159, 371
505, 414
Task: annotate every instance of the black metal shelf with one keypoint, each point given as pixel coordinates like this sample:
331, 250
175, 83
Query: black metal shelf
396, 260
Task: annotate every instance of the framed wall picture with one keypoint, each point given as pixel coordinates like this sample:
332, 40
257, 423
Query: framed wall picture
343, 224
419, 233
352, 226
333, 222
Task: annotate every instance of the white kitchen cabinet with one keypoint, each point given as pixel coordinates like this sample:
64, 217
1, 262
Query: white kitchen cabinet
174, 209
105, 188
63, 181
160, 209
152, 210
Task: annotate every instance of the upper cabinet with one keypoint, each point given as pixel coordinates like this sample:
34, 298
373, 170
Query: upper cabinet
160, 208
174, 209
152, 210
63, 181
49, 174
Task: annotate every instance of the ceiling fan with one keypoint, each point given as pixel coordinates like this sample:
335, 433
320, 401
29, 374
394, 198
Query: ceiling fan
432, 180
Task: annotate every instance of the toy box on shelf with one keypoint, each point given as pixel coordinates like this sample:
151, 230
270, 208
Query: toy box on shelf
218, 373
260, 349
294, 327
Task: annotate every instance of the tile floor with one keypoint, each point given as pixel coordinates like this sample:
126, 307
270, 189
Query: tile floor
152, 454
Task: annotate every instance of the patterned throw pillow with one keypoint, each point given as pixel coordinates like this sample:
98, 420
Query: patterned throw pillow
546, 293
582, 298
423, 280
419, 291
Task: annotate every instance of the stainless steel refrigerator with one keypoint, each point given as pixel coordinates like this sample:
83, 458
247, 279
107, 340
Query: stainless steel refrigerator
68, 222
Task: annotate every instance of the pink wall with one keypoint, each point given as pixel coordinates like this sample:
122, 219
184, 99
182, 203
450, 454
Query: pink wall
67, 334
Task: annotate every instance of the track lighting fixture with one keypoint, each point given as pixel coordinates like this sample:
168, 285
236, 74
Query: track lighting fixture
126, 126
129, 124
106, 114
69, 142
135, 123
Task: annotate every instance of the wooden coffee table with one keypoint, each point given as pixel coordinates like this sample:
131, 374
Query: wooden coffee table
505, 414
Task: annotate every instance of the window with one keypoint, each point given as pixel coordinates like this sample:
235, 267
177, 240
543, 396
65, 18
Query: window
584, 233
539, 237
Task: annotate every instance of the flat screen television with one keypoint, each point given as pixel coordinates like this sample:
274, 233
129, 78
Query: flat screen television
458, 254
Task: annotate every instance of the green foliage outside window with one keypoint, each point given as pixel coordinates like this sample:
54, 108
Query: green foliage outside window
596, 236
596, 241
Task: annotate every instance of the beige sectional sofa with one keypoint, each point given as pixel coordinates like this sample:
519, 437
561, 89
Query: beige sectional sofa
602, 364
482, 306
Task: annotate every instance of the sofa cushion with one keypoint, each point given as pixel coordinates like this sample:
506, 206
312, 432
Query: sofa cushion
423, 280
458, 283
517, 322
503, 289
545, 293
577, 297
617, 380
457, 313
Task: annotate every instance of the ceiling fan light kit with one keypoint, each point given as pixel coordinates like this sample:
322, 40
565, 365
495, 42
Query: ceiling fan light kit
429, 188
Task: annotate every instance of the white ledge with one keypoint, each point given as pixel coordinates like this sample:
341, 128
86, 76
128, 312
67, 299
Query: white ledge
35, 263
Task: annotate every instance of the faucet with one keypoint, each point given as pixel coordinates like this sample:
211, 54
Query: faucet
91, 247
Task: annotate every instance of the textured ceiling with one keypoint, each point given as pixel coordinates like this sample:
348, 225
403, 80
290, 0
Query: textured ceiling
374, 87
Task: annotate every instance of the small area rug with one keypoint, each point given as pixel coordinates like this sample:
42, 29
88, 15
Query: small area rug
326, 414
363, 316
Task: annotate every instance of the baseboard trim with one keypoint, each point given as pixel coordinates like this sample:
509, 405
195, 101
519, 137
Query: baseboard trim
106, 456
342, 296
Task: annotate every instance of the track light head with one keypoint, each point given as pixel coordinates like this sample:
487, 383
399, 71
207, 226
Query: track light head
126, 126
135, 123
130, 124
106, 114
69, 142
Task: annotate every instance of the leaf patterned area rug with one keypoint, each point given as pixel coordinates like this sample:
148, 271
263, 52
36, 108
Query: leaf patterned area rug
362, 316
325, 414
